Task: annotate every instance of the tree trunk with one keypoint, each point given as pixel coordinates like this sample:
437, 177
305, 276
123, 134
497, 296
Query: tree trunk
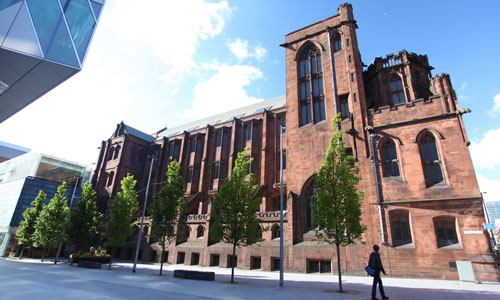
338, 268
233, 263
43, 253
161, 258
22, 251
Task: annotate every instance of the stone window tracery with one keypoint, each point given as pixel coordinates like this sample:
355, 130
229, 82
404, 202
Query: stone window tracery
390, 159
397, 91
311, 91
430, 160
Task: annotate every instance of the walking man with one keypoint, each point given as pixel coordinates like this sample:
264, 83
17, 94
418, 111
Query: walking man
376, 263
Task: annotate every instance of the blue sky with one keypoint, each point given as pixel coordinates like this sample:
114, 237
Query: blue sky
154, 63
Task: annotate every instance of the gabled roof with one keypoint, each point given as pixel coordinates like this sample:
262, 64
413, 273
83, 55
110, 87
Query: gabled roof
137, 133
257, 108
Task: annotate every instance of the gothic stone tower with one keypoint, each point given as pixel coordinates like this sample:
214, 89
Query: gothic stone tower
422, 201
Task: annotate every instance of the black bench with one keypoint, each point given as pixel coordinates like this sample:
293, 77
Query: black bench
197, 275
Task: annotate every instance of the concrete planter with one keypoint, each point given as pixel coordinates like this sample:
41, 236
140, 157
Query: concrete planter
89, 264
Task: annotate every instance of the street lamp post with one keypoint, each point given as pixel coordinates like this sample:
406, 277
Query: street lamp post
142, 217
281, 203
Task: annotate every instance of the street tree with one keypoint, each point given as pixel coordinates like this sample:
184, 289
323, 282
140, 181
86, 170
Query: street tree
49, 225
26, 230
167, 205
83, 221
336, 204
233, 215
123, 212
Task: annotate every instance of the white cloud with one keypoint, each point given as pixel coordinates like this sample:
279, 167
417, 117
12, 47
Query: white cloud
489, 188
496, 106
242, 51
170, 30
223, 91
485, 152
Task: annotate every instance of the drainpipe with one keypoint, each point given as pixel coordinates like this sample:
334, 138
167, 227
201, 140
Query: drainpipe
333, 76
377, 186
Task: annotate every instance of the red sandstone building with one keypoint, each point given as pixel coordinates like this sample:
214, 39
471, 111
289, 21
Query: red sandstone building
403, 125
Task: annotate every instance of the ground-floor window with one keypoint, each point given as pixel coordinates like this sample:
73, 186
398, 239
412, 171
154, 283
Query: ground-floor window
180, 257
195, 259
255, 262
446, 233
275, 263
319, 266
230, 261
400, 227
214, 260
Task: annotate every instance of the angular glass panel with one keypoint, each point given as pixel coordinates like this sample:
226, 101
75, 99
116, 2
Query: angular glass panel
302, 90
7, 3
81, 24
307, 67
61, 48
308, 89
21, 36
320, 67
301, 67
46, 15
313, 64
96, 7
406, 230
7, 15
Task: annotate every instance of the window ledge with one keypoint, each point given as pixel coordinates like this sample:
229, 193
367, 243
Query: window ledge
441, 185
457, 246
406, 246
397, 179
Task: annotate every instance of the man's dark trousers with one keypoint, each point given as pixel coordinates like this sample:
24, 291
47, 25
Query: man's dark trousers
377, 279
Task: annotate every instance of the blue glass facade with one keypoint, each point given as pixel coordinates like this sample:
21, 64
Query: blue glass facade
42, 43
493, 209
30, 190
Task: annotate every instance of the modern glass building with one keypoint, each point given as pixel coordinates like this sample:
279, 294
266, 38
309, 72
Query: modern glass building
21, 179
493, 209
42, 43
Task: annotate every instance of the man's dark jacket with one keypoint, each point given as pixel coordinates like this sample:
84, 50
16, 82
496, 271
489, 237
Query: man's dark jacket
375, 262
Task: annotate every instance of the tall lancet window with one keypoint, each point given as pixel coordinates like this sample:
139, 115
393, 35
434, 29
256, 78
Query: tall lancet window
311, 94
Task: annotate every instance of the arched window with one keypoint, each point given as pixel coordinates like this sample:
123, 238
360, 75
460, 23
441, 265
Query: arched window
337, 42
397, 92
110, 178
400, 226
309, 206
446, 233
311, 86
275, 231
430, 160
200, 231
187, 231
110, 153
117, 152
390, 159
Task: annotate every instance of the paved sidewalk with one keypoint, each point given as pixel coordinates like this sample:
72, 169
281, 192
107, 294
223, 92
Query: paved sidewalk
31, 279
